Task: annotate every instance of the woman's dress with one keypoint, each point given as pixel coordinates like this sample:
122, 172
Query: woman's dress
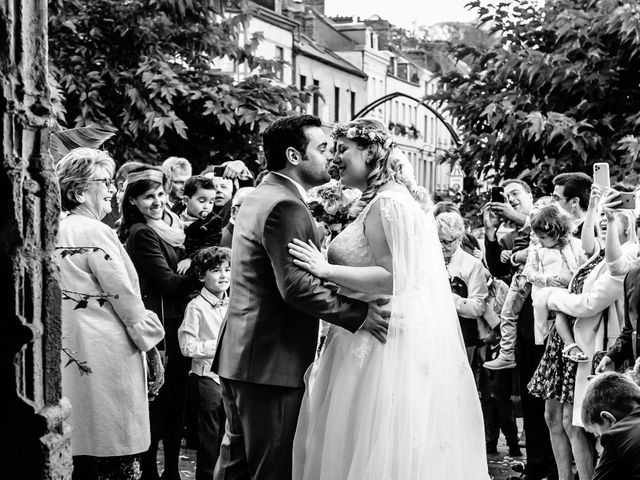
407, 409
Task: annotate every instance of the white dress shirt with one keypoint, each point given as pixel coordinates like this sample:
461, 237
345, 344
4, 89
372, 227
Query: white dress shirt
198, 333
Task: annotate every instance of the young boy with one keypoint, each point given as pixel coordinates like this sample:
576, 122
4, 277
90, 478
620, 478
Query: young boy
206, 231
197, 201
198, 337
611, 411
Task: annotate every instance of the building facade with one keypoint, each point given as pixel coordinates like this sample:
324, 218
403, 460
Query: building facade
350, 64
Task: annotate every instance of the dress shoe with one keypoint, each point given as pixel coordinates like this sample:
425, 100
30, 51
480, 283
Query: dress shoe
499, 364
515, 451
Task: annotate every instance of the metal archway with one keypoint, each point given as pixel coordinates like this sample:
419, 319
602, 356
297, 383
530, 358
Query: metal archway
391, 96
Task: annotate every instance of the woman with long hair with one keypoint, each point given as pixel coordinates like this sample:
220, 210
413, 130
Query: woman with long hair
407, 408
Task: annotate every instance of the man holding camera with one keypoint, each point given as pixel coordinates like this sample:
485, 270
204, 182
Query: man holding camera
503, 262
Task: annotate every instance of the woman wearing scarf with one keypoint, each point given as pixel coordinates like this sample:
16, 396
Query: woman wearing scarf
154, 239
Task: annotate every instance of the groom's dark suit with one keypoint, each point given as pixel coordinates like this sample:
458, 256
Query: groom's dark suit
269, 337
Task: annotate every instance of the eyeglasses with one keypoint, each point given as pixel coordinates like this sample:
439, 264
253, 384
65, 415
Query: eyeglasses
446, 243
107, 181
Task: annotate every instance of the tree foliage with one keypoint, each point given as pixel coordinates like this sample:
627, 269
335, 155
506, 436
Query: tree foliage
148, 68
559, 91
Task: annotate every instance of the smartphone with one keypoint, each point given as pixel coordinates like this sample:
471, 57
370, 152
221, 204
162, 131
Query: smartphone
628, 200
218, 170
601, 174
497, 194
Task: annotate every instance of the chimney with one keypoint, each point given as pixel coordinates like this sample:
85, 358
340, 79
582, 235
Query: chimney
308, 24
317, 5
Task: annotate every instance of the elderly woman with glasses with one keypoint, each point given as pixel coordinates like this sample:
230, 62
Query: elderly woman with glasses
467, 276
108, 336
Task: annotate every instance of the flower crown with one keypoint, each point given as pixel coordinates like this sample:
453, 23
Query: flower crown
368, 134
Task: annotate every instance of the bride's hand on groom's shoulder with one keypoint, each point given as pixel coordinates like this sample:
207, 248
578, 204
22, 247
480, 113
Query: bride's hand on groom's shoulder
377, 321
307, 256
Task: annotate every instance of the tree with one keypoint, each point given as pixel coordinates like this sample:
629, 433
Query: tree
559, 92
148, 68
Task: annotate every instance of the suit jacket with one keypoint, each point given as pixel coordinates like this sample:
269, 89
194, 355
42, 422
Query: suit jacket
620, 450
271, 330
227, 235
627, 343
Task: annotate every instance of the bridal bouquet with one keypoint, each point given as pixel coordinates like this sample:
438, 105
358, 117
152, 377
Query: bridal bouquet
329, 204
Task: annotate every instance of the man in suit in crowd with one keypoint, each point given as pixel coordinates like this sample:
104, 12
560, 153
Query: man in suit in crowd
517, 208
270, 334
227, 231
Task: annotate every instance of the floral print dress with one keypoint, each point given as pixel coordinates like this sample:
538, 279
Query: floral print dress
555, 376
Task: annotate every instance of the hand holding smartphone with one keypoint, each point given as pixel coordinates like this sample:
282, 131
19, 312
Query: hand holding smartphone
627, 200
497, 194
601, 175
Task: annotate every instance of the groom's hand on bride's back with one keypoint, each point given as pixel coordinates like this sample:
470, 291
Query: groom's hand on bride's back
377, 321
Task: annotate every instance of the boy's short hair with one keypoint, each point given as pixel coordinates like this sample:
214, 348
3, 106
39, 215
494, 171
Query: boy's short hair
613, 392
195, 183
208, 259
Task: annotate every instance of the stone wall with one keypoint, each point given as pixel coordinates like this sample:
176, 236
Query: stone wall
38, 439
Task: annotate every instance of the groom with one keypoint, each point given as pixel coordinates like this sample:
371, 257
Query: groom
270, 334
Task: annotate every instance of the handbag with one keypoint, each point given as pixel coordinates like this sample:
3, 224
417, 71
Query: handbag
599, 354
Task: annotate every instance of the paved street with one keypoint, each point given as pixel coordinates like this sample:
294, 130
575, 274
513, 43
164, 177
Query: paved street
499, 465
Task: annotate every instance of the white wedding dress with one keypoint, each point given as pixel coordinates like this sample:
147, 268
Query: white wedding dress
407, 409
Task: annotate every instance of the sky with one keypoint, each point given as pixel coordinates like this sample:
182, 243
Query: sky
404, 13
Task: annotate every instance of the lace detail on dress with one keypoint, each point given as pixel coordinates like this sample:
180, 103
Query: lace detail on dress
362, 351
386, 213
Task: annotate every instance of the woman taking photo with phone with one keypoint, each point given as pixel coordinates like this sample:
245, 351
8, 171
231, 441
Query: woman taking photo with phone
595, 301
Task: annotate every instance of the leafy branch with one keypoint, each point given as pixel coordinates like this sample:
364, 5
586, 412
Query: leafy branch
69, 251
84, 368
82, 299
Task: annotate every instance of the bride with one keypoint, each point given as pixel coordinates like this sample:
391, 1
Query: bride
406, 409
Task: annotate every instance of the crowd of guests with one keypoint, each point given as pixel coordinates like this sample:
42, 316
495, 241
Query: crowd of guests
145, 283
546, 299
570, 261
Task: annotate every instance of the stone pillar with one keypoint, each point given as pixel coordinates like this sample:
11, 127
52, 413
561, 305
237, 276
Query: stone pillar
37, 437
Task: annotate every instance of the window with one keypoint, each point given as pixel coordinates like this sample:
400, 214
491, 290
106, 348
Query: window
433, 131
336, 107
280, 67
403, 71
353, 104
372, 40
303, 82
316, 98
391, 70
